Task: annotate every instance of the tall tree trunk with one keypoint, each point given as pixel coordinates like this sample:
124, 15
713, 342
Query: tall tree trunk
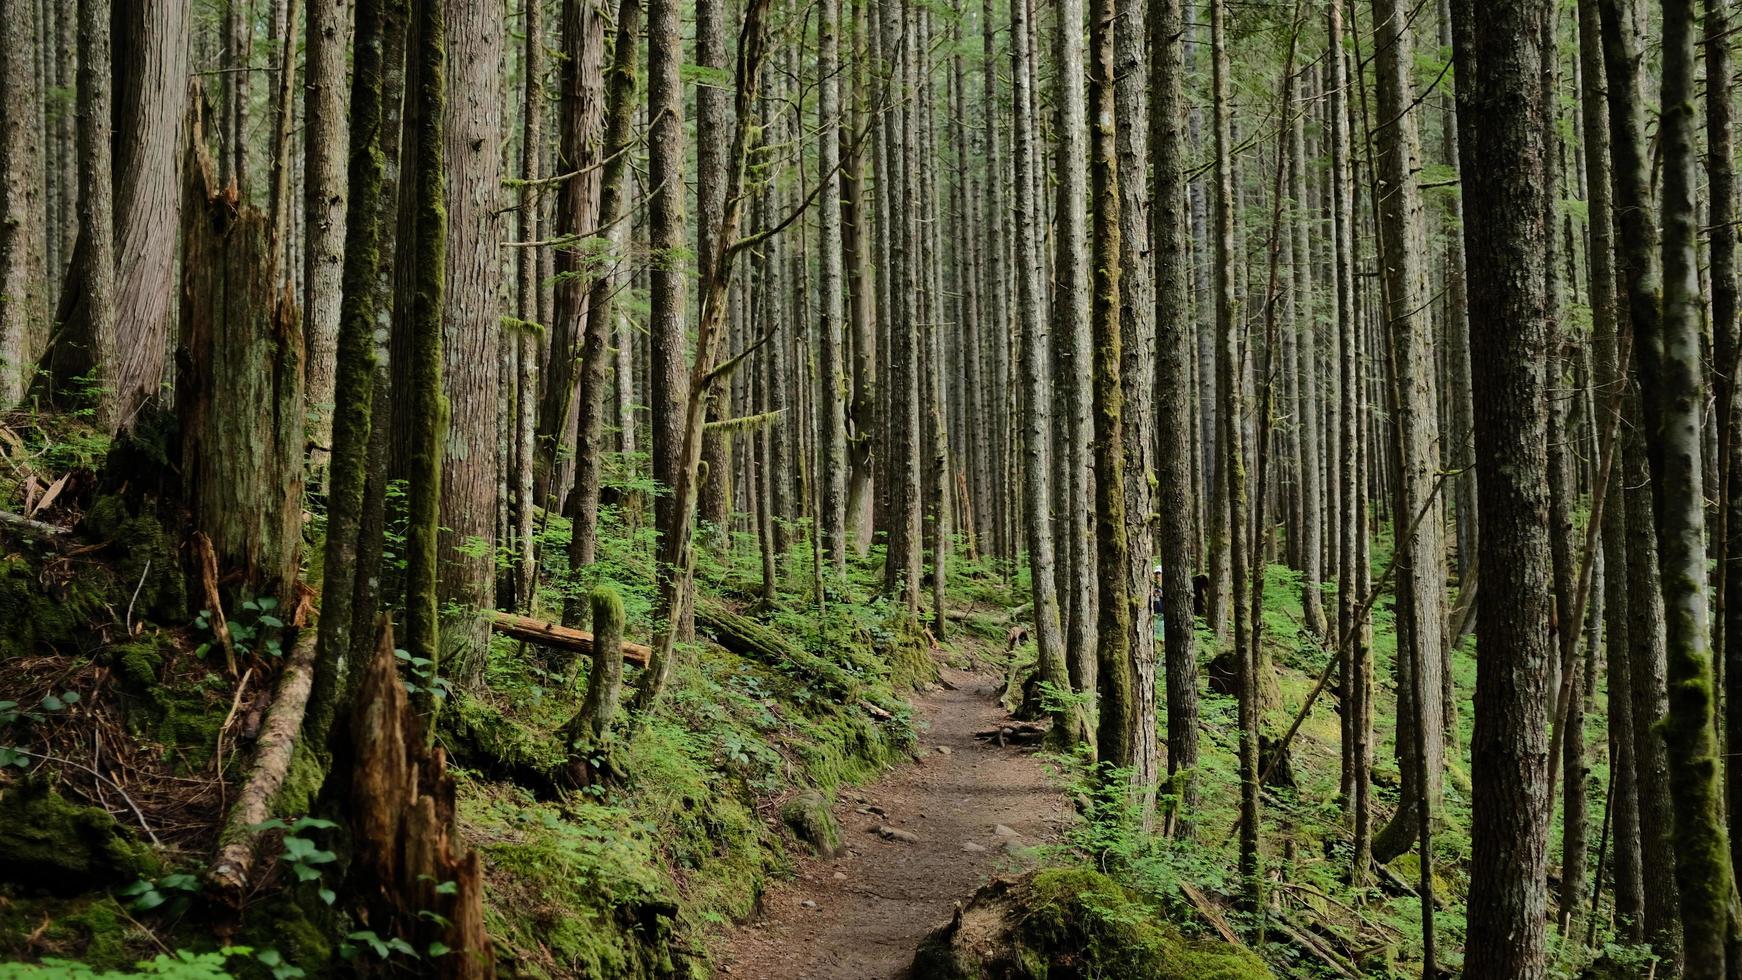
713, 126
579, 107
832, 421
1421, 564
366, 218
1073, 387
1233, 460
1639, 283
601, 307
1030, 303
1721, 178
426, 261
1116, 684
1138, 375
1502, 155
1352, 622
24, 317
1306, 370
470, 336
88, 348
526, 355
1174, 488
325, 124
1671, 378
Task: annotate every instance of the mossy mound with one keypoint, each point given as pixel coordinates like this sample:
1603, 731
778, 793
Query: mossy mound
94, 929
807, 816
1072, 924
49, 844
43, 615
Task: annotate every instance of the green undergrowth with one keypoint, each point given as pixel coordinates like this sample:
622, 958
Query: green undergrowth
712, 796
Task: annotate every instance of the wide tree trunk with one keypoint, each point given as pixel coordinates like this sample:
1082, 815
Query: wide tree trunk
1501, 144
239, 389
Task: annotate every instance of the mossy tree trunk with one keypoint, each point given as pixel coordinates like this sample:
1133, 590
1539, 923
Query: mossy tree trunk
426, 262
1233, 464
240, 388
1671, 376
356, 365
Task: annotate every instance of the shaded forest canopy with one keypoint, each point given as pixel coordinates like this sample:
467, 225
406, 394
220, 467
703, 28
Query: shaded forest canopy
482, 480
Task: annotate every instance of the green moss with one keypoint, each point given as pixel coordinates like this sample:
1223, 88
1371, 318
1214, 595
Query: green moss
43, 616
285, 926
909, 657
50, 844
142, 555
92, 929
480, 735
808, 816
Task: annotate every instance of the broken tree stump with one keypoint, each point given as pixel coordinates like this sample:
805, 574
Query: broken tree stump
415, 878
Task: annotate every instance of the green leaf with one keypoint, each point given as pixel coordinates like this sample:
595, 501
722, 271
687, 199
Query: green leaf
328, 896
438, 949
52, 703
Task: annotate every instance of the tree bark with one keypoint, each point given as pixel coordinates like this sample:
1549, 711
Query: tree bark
240, 388
325, 124
471, 330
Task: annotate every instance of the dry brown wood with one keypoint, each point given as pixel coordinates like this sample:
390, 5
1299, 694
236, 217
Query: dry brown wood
562, 637
208, 559
1213, 915
416, 878
1306, 942
228, 877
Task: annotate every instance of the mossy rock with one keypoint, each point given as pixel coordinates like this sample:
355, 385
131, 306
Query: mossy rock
49, 844
180, 710
808, 816
1072, 924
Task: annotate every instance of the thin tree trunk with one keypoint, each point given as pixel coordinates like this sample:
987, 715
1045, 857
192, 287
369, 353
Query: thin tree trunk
324, 207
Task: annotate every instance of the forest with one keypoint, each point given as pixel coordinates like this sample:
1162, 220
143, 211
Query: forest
870, 489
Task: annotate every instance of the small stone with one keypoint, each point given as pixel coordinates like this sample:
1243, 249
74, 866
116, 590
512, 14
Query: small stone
895, 833
874, 808
1004, 831
943, 750
839, 876
973, 848
807, 903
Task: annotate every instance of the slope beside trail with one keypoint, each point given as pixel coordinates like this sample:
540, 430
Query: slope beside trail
972, 809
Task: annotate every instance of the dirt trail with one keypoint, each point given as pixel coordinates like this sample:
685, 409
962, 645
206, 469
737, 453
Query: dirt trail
860, 915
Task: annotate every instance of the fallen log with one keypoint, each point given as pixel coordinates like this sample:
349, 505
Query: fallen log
743, 635
240, 840
561, 637
33, 529
739, 634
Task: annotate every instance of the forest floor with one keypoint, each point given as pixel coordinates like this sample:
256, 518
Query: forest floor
973, 809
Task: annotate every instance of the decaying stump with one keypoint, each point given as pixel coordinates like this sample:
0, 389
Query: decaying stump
408, 858
239, 386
